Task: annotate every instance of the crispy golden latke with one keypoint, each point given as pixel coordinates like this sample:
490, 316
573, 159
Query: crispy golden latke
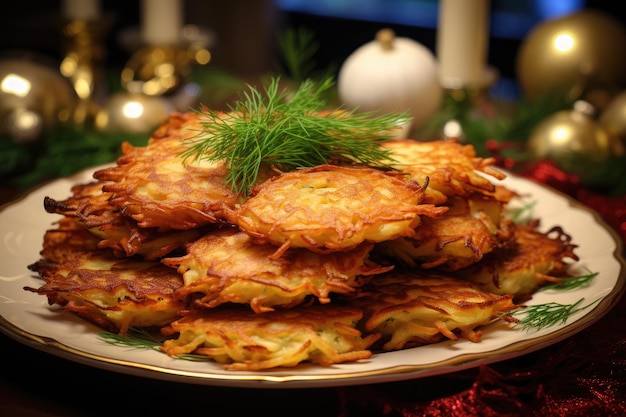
87, 202
529, 260
182, 125
66, 239
473, 226
158, 188
110, 292
226, 266
411, 308
242, 340
90, 206
126, 239
331, 208
447, 167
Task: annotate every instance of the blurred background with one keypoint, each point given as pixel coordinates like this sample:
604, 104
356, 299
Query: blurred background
246, 31
96, 82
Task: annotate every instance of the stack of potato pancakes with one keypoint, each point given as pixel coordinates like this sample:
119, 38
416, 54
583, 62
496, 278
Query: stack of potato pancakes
323, 265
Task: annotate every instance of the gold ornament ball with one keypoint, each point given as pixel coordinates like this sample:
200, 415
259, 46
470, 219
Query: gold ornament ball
572, 139
34, 98
613, 121
126, 112
568, 55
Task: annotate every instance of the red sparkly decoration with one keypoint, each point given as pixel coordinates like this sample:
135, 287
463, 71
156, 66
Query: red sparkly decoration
611, 208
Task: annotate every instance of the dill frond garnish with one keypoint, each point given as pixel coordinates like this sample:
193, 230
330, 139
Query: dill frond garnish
524, 214
135, 338
141, 339
540, 316
549, 314
288, 131
570, 283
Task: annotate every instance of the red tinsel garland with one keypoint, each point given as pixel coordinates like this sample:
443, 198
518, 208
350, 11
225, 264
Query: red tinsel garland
611, 208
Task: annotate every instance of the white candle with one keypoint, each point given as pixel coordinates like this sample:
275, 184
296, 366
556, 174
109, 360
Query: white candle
81, 9
462, 42
161, 21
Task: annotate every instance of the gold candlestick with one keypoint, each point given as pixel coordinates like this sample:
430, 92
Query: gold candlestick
84, 53
157, 70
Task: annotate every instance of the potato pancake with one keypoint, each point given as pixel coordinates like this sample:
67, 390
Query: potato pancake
87, 202
529, 260
472, 227
242, 340
90, 206
411, 308
65, 239
183, 125
447, 167
159, 189
226, 266
113, 293
331, 208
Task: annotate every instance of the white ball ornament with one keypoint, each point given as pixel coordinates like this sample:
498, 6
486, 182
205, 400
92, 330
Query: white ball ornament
391, 75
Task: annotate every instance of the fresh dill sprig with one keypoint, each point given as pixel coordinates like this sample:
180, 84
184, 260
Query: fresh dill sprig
141, 339
289, 131
570, 283
524, 214
540, 316
135, 338
545, 315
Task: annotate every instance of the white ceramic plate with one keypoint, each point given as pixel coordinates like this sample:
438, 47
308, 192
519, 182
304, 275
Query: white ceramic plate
27, 317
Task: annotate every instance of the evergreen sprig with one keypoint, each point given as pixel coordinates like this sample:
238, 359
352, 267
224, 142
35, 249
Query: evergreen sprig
62, 152
297, 48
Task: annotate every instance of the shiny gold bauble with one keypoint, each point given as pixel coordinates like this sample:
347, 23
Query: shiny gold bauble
572, 54
34, 98
132, 113
613, 121
572, 139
